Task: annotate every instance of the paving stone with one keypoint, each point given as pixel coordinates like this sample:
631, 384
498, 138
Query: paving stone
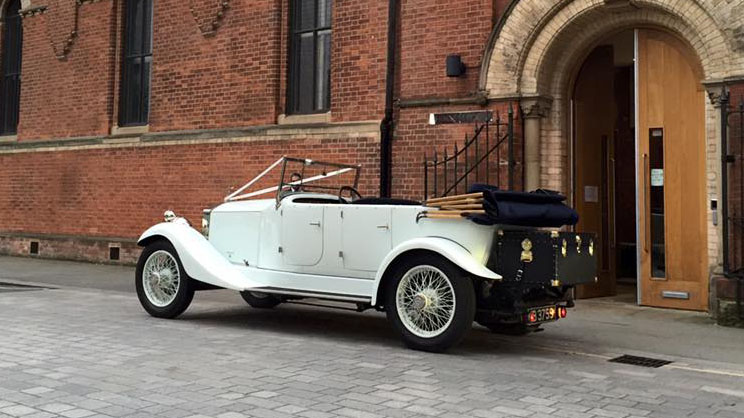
229, 362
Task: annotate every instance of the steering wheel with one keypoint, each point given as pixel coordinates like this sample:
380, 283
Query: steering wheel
352, 192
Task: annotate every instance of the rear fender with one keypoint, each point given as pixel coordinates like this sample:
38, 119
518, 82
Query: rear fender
200, 259
447, 248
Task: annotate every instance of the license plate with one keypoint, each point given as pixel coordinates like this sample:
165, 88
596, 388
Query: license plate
542, 314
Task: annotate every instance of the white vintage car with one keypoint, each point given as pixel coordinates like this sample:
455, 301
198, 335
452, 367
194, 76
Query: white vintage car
431, 276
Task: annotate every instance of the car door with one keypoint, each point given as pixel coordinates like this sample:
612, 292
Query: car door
365, 236
302, 233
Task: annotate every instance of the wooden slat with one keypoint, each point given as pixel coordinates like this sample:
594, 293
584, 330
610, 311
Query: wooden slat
455, 197
455, 202
461, 212
439, 216
462, 207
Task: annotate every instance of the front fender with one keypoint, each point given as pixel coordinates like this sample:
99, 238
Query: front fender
199, 257
448, 249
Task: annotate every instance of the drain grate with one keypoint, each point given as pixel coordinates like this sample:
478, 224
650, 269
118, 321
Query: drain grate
640, 361
15, 287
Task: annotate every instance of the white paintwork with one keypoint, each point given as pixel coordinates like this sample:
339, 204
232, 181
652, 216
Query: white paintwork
302, 234
451, 250
373, 226
199, 257
336, 250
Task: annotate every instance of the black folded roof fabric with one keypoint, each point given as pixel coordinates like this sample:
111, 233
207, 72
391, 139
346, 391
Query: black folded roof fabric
541, 208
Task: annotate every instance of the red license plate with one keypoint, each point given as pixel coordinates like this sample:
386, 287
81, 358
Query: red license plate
542, 314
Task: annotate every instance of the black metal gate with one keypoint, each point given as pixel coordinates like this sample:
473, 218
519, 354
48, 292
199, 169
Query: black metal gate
485, 157
732, 198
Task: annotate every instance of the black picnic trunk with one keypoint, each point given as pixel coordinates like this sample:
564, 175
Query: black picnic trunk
536, 257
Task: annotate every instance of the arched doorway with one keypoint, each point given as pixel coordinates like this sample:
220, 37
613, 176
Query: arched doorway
638, 138
534, 55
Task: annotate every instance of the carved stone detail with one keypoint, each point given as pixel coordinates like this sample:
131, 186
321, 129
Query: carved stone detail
61, 25
32, 11
717, 94
535, 107
208, 14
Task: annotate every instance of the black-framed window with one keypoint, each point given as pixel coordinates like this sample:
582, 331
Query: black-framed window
10, 86
310, 57
137, 66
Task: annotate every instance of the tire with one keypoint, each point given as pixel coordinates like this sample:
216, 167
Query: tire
162, 300
412, 324
260, 300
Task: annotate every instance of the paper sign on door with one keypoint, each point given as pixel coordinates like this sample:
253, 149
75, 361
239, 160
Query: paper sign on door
657, 177
591, 194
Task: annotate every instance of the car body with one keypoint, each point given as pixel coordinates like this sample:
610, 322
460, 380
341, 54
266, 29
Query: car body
309, 243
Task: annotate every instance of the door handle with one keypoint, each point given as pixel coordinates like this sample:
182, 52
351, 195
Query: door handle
646, 205
383, 226
611, 177
315, 223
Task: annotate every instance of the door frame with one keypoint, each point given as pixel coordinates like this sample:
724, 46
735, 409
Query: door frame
639, 191
640, 205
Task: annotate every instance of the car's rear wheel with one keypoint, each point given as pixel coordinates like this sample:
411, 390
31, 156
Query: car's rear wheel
430, 302
260, 300
163, 287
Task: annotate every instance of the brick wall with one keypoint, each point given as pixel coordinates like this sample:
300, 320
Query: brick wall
232, 76
415, 139
120, 191
431, 30
72, 96
228, 79
214, 68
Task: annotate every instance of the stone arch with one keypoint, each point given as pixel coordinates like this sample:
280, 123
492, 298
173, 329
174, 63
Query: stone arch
4, 7
535, 52
538, 40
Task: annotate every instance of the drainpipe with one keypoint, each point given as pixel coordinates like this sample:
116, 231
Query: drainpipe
386, 127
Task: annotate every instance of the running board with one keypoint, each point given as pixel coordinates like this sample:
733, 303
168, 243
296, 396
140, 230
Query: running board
311, 294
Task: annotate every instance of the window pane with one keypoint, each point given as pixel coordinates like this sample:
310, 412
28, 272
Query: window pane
324, 13
10, 83
135, 89
134, 27
133, 86
145, 104
656, 204
147, 27
305, 69
323, 70
306, 14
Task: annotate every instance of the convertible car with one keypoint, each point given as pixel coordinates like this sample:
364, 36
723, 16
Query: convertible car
433, 271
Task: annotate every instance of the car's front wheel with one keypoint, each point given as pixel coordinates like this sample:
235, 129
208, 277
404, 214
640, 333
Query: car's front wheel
430, 302
260, 300
163, 288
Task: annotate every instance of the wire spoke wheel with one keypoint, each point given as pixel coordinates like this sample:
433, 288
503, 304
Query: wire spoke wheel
425, 301
161, 278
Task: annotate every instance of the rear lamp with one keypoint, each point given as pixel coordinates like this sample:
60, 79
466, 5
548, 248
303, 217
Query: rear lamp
533, 316
562, 311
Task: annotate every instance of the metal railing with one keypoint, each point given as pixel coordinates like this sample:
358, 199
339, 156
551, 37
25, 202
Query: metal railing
485, 157
732, 196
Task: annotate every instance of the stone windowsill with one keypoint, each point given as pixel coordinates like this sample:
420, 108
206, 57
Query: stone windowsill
315, 118
7, 139
130, 130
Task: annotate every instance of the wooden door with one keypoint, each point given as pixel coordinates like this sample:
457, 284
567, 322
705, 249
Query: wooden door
671, 174
595, 112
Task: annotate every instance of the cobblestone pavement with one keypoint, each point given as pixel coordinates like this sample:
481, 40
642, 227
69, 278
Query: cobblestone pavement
77, 353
